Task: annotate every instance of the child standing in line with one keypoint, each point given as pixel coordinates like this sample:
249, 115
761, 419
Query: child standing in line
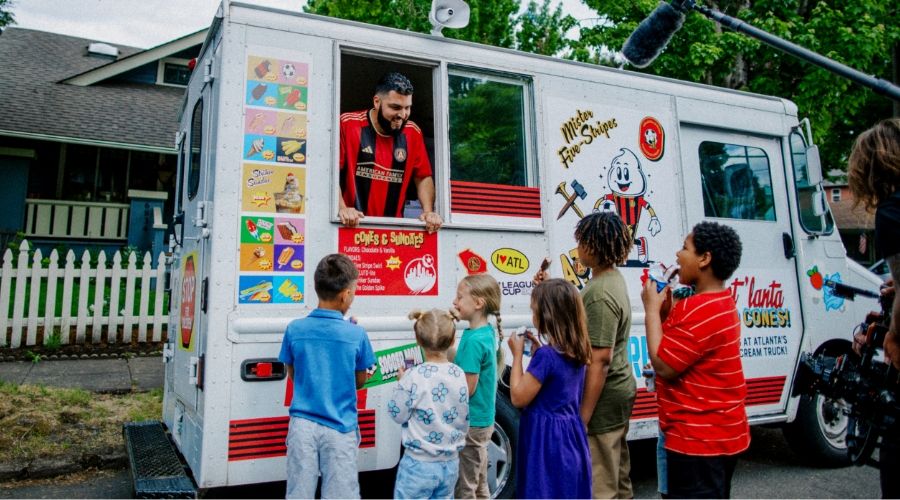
603, 243
609, 390
694, 346
327, 357
478, 296
432, 404
551, 433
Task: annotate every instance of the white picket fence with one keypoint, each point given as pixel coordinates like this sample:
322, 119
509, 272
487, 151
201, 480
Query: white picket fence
94, 319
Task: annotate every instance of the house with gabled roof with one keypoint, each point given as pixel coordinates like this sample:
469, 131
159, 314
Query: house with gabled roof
855, 224
87, 139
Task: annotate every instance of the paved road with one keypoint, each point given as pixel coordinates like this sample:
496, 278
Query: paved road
768, 470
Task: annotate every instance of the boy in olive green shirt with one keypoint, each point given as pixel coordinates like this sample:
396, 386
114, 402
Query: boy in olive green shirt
609, 387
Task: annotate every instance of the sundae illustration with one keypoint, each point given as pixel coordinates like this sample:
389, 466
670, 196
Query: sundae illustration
291, 199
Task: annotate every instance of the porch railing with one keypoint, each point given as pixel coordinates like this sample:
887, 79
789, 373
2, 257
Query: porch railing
76, 219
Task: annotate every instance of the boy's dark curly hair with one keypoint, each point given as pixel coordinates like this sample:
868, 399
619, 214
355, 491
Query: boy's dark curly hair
606, 236
722, 243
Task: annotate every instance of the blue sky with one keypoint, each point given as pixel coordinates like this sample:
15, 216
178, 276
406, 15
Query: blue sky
147, 23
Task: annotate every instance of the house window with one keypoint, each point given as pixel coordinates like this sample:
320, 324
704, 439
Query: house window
172, 71
836, 194
737, 183
490, 168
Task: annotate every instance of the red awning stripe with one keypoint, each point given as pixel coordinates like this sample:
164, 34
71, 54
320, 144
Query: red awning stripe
494, 199
481, 186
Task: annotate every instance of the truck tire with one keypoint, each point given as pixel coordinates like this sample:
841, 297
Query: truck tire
502, 450
818, 434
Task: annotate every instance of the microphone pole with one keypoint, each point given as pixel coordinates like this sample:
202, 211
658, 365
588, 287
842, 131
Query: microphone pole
879, 85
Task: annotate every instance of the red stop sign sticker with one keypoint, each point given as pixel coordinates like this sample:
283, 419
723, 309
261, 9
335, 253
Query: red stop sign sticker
652, 139
188, 301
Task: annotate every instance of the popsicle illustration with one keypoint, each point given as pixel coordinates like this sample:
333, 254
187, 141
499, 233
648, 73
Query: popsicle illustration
253, 229
262, 68
256, 122
293, 97
259, 90
287, 123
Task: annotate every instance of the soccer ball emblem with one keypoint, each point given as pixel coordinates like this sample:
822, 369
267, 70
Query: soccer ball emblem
288, 70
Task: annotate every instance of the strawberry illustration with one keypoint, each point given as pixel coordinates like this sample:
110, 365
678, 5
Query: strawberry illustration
815, 277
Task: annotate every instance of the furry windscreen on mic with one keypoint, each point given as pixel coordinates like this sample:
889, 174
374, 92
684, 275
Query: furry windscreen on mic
652, 35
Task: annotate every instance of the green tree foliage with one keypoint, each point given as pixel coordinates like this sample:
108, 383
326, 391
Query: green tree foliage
862, 34
486, 131
542, 30
490, 21
6, 16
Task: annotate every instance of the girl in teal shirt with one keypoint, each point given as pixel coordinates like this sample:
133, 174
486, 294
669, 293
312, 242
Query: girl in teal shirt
477, 297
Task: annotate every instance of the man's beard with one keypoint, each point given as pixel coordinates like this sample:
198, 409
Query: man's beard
385, 124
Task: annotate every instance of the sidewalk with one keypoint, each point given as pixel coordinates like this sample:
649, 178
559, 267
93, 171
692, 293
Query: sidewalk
109, 375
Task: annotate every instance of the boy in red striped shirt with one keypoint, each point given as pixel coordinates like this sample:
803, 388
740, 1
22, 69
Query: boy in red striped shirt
694, 347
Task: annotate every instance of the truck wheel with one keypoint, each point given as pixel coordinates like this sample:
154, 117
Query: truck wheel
819, 433
501, 475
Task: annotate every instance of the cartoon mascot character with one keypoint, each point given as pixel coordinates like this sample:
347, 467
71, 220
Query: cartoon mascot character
628, 184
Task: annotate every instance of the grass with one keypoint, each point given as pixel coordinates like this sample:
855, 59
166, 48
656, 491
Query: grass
43, 422
92, 293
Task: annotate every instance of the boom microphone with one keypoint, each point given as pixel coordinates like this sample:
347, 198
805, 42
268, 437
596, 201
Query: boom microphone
654, 32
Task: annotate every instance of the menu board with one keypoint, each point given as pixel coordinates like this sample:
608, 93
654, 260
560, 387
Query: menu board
392, 261
272, 221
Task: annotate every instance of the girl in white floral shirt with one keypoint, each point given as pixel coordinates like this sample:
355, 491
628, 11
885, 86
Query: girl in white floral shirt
431, 402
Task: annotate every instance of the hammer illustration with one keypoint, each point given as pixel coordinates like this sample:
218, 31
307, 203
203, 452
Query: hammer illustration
578, 192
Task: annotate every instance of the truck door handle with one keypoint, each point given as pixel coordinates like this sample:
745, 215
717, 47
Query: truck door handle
788, 243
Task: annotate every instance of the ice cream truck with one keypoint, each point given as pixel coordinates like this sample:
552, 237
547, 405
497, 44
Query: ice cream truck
522, 146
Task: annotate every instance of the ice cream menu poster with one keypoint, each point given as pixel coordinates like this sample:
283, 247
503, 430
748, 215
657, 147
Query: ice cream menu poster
392, 261
272, 225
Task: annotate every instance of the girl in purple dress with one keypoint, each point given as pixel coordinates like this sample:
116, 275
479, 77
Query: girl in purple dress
554, 460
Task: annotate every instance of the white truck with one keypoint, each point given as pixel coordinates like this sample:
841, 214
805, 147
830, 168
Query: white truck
522, 146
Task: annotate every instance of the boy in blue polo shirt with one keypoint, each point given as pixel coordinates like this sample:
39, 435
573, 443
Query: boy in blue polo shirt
327, 357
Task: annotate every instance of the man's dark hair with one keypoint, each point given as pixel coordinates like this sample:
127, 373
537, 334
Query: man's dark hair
723, 245
394, 81
606, 236
333, 275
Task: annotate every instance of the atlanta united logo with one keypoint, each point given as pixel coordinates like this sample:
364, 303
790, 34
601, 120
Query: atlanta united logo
652, 139
400, 154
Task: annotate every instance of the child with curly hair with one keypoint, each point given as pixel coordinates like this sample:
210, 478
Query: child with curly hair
432, 404
694, 347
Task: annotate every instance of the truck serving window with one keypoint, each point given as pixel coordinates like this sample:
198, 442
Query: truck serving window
196, 146
491, 172
737, 183
806, 193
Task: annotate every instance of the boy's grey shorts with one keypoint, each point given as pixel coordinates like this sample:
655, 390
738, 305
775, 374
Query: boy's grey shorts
313, 449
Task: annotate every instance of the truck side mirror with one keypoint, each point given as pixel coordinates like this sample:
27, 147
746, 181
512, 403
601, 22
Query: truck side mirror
178, 227
819, 207
813, 165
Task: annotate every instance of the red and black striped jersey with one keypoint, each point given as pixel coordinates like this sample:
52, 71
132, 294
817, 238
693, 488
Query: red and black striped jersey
376, 169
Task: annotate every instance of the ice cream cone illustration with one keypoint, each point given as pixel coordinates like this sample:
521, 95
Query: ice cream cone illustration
255, 147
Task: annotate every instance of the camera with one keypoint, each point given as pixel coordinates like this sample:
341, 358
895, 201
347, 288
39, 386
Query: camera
866, 388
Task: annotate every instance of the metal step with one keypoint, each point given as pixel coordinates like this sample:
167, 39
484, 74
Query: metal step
156, 470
